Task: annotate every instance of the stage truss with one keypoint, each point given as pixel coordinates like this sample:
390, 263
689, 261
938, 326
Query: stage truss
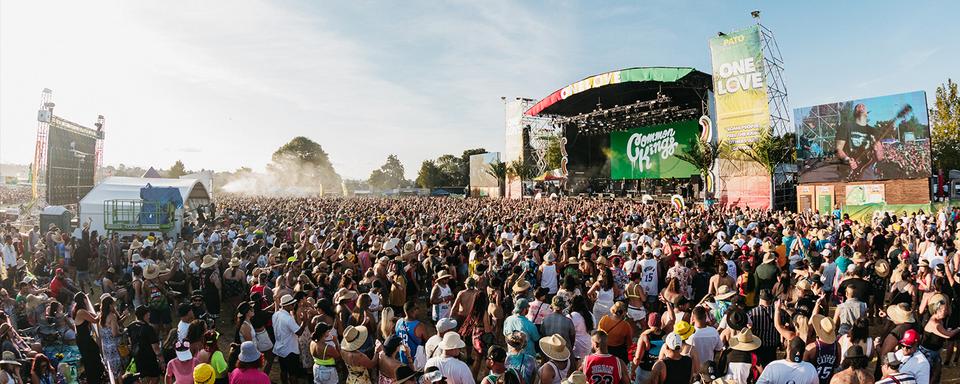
776, 88
540, 132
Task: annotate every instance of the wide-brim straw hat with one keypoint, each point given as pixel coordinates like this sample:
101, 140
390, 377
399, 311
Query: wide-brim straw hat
444, 275
136, 244
286, 300
587, 246
825, 329
555, 348
576, 377
882, 268
353, 338
391, 244
521, 286
724, 292
745, 341
858, 258
901, 313
151, 272
234, 262
607, 243
209, 261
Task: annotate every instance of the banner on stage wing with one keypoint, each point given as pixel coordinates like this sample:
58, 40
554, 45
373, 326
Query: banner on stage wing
742, 114
740, 88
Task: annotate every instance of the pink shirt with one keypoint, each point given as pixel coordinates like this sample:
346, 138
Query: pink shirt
248, 376
181, 371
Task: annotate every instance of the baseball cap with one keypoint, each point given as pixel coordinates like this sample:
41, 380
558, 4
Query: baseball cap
910, 338
673, 341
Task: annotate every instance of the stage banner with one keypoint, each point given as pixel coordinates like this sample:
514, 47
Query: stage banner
739, 87
651, 152
877, 138
864, 194
742, 113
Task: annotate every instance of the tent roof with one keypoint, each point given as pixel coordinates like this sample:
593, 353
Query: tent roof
623, 87
117, 187
151, 174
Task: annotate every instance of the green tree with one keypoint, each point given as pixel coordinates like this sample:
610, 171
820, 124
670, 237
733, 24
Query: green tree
389, 176
770, 151
430, 175
702, 154
523, 170
945, 127
304, 163
498, 170
177, 170
554, 154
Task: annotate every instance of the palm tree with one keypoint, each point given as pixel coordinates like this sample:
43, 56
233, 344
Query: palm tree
522, 170
703, 155
770, 151
498, 170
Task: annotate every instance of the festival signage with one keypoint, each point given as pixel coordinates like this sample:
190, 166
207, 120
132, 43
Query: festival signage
863, 194
878, 138
740, 88
742, 115
650, 152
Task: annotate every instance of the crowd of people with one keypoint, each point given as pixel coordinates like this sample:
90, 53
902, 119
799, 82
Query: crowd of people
443, 290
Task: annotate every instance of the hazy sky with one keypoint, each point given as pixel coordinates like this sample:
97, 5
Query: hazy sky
222, 84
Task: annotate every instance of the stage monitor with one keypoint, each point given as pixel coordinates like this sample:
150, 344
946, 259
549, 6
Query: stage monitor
651, 152
878, 138
71, 161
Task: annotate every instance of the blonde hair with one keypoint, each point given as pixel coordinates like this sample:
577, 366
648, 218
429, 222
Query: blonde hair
387, 322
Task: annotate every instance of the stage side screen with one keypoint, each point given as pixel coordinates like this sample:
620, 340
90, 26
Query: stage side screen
70, 165
651, 152
878, 138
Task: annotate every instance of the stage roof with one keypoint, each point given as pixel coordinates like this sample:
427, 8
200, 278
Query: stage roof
624, 87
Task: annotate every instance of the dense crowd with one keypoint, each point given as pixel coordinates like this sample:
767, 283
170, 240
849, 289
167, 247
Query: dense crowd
15, 195
443, 290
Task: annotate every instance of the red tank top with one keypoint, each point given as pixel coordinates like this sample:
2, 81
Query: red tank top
601, 369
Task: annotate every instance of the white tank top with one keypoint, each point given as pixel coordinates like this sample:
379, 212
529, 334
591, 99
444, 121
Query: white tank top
605, 296
442, 310
548, 278
558, 375
649, 277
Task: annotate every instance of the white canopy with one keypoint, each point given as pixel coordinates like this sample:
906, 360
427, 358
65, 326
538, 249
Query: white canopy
192, 191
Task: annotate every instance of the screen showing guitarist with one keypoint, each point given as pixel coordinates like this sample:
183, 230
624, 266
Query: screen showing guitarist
858, 145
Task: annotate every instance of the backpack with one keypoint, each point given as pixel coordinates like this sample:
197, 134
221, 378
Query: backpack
131, 337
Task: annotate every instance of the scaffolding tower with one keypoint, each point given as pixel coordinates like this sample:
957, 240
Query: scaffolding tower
39, 168
776, 88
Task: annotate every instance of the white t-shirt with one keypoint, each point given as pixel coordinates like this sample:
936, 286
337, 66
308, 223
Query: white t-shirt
285, 328
783, 372
706, 342
182, 330
453, 369
431, 346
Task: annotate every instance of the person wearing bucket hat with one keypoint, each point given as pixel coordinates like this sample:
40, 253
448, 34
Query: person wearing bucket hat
248, 367
558, 363
204, 373
452, 368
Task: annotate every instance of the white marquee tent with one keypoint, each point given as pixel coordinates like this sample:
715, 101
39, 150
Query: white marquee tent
192, 191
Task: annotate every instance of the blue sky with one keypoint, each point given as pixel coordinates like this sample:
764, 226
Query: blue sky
222, 84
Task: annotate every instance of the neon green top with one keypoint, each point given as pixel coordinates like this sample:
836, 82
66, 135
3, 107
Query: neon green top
328, 362
219, 364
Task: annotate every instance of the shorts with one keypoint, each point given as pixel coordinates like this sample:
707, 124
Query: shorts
325, 375
83, 275
636, 314
641, 376
160, 316
291, 364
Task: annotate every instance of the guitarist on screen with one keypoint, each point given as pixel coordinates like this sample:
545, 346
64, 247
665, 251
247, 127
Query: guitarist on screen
859, 146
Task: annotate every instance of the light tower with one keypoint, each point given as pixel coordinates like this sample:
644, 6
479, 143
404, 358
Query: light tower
44, 115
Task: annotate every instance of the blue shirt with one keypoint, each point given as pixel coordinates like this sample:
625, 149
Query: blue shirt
522, 324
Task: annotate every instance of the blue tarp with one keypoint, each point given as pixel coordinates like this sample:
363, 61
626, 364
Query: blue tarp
156, 204
161, 195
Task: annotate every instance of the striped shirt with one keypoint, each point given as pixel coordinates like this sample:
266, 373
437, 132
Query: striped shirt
897, 378
761, 320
